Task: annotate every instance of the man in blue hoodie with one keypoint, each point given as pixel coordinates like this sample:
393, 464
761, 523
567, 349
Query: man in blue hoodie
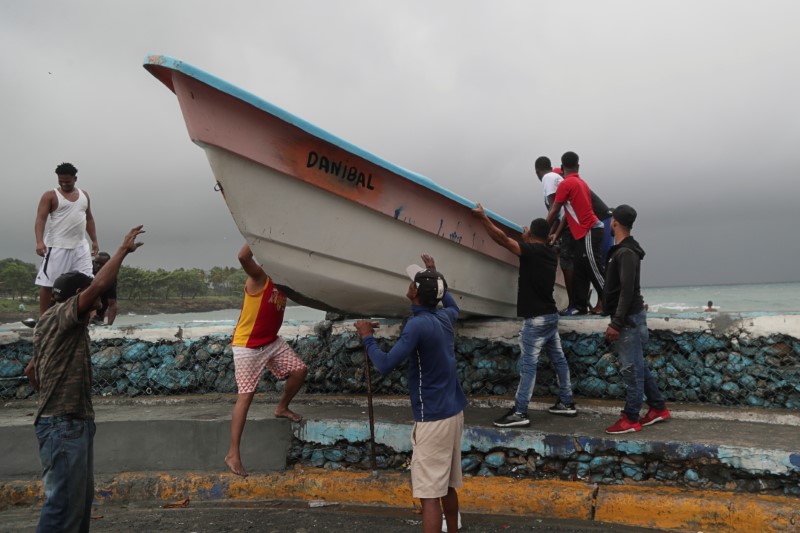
622, 300
427, 341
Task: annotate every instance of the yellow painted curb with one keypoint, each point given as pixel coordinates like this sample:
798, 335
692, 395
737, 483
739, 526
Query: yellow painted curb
686, 510
654, 507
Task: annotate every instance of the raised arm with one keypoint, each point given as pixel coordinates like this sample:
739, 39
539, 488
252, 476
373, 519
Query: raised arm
496, 233
108, 274
255, 273
448, 302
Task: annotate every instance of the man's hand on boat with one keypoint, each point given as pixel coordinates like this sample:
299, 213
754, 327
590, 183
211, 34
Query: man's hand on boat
428, 261
478, 211
366, 328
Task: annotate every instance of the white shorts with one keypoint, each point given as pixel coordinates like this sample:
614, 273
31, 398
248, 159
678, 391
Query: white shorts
249, 363
59, 261
436, 458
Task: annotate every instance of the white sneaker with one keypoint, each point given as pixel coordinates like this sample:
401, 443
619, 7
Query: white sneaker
444, 522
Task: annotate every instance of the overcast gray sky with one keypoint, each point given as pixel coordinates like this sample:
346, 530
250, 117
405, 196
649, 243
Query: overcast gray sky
686, 110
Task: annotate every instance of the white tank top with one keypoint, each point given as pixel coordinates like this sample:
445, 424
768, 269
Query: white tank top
67, 227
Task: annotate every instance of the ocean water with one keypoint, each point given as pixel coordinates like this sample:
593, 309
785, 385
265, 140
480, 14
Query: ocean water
293, 314
763, 297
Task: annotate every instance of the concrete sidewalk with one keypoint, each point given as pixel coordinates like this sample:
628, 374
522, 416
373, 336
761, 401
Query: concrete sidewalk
170, 448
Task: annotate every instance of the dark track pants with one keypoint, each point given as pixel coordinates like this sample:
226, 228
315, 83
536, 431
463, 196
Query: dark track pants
589, 268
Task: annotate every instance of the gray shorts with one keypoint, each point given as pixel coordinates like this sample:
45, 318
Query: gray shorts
566, 250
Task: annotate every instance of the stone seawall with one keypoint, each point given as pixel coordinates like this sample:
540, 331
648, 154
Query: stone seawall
535, 455
730, 360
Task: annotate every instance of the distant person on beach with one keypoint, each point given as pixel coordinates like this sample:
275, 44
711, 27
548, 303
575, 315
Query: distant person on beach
628, 328
535, 304
427, 342
62, 372
257, 346
64, 247
575, 196
710, 307
109, 298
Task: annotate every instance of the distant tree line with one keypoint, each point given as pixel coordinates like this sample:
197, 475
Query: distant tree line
17, 282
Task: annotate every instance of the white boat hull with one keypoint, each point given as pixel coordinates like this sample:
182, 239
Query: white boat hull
347, 257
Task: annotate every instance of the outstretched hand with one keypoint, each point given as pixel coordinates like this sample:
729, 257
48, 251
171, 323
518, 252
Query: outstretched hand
130, 243
366, 328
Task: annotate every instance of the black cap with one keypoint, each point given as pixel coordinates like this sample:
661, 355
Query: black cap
625, 215
430, 284
67, 285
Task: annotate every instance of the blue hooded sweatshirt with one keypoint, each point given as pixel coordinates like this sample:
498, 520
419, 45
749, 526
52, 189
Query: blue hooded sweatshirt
428, 342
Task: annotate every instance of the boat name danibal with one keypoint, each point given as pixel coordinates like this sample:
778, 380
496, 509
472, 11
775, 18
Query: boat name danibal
340, 169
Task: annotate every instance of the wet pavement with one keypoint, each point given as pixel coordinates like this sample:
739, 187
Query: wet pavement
290, 517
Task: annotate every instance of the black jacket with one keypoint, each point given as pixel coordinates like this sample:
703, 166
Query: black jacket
622, 295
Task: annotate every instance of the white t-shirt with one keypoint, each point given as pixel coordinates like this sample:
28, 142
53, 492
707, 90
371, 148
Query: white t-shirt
550, 183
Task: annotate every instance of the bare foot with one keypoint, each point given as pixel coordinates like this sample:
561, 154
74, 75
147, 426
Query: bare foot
291, 415
235, 465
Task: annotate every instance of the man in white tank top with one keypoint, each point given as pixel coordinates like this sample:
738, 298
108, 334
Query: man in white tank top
64, 247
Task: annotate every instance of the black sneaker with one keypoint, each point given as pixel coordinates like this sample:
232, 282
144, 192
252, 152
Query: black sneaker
512, 419
563, 410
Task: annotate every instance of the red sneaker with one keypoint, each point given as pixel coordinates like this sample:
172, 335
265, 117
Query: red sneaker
654, 415
624, 425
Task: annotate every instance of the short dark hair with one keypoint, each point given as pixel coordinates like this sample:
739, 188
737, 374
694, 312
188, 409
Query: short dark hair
569, 160
542, 163
539, 228
67, 169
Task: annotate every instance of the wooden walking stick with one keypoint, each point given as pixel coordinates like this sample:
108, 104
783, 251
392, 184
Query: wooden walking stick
368, 375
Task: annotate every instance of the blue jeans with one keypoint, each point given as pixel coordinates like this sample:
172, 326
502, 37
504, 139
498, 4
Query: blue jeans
66, 451
537, 333
638, 379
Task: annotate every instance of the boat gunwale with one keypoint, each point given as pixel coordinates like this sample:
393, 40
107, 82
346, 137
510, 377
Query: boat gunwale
168, 62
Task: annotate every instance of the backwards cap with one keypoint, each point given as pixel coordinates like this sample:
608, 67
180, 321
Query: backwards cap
430, 284
67, 285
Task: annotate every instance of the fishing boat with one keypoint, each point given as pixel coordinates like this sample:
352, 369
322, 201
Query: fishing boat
334, 225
